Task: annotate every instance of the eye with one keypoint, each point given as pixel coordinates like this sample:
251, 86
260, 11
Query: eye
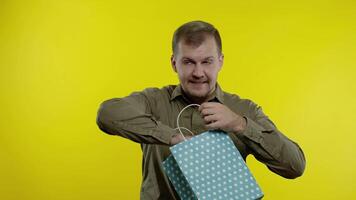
187, 62
207, 62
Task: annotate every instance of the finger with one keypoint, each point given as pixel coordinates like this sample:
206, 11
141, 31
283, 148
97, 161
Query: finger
207, 111
210, 118
213, 126
188, 137
207, 105
201, 107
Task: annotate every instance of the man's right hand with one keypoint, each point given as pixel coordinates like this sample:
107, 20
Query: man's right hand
178, 138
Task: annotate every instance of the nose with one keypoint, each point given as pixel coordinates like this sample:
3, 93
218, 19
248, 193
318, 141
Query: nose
198, 71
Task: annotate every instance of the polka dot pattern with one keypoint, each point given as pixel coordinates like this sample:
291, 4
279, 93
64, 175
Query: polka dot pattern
178, 179
209, 166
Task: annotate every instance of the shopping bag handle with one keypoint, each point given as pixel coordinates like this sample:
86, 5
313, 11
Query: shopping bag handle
178, 127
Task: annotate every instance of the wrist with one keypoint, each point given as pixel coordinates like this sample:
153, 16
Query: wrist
240, 125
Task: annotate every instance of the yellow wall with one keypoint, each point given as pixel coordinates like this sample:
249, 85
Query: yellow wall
60, 59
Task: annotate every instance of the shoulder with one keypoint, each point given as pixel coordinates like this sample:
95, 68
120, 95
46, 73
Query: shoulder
157, 96
156, 90
230, 98
153, 92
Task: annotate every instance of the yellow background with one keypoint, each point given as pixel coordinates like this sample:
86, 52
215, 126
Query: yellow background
60, 59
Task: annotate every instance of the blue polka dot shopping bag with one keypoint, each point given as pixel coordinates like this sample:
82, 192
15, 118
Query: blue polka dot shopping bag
209, 166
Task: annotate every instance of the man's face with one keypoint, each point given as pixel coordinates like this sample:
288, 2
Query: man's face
197, 68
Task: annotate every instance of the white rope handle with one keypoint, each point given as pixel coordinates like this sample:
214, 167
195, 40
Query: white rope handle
185, 129
178, 127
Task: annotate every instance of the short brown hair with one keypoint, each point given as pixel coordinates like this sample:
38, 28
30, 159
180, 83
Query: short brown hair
194, 33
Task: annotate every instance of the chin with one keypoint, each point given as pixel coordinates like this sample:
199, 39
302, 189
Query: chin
198, 94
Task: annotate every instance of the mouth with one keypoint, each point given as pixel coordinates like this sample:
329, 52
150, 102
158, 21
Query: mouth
198, 83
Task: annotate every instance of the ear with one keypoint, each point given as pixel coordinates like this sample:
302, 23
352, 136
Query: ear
221, 61
173, 63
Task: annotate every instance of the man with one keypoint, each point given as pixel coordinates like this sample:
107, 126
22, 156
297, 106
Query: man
149, 117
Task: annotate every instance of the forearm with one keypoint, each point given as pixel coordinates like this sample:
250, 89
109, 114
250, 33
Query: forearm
270, 146
128, 117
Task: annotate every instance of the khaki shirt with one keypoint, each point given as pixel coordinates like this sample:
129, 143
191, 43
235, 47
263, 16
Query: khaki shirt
149, 118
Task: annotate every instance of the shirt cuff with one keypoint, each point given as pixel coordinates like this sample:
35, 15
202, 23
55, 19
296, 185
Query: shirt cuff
254, 131
262, 136
164, 133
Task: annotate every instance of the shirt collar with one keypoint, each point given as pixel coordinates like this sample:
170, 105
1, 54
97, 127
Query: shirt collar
217, 94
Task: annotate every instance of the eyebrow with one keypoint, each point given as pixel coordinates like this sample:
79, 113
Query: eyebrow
191, 59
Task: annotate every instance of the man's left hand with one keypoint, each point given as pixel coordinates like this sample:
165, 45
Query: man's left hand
218, 116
